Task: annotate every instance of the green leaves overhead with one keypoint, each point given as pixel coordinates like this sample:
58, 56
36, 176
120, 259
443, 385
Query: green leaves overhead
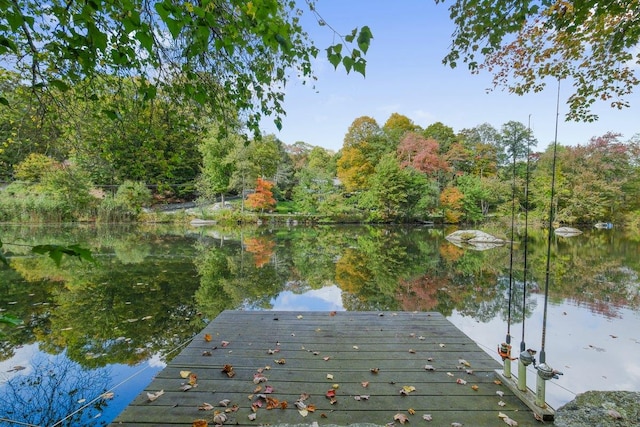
230, 55
56, 252
354, 60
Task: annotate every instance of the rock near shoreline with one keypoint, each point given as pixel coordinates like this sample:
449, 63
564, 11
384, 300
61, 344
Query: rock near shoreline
601, 409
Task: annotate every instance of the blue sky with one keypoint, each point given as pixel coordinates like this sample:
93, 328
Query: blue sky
405, 75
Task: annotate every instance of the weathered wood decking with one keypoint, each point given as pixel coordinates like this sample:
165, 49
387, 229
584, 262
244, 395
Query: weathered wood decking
397, 345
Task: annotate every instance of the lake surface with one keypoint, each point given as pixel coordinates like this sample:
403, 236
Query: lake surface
97, 333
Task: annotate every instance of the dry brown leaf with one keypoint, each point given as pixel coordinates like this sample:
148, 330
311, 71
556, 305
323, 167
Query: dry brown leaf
284, 404
220, 418
224, 343
200, 423
364, 384
311, 408
461, 381
205, 407
374, 370
474, 387
280, 361
207, 337
193, 379
412, 351
228, 369
154, 396
497, 382
411, 411
224, 403
401, 418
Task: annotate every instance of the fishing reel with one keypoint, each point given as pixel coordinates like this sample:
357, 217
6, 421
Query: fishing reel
546, 372
504, 350
527, 357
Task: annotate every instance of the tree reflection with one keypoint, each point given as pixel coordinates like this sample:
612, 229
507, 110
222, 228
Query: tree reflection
56, 390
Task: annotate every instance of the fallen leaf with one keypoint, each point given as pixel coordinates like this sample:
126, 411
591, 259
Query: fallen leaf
474, 387
220, 418
411, 411
456, 424
186, 387
329, 376
461, 381
364, 384
299, 316
304, 396
303, 412
258, 389
429, 368
469, 371
429, 359
280, 361
412, 335
450, 374
193, 379
228, 369
355, 347
205, 407
284, 404
442, 345
412, 351
333, 313
252, 417
500, 393
330, 394
401, 418
207, 337
374, 370
326, 358
274, 351
335, 386
421, 338
184, 374
427, 417
224, 343
501, 403
311, 408
200, 423
510, 422
497, 382
272, 403
107, 395
224, 403
268, 389
154, 396
206, 353
464, 362
405, 390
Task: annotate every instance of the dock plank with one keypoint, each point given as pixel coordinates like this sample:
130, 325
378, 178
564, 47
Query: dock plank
314, 352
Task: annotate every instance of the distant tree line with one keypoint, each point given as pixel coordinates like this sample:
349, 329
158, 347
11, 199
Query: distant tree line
57, 156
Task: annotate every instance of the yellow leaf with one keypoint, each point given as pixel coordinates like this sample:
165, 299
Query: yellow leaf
184, 374
411, 411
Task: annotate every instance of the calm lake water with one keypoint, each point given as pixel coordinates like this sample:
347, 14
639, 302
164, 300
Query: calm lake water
95, 334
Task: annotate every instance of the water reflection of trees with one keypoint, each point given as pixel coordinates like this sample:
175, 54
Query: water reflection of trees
394, 268
54, 388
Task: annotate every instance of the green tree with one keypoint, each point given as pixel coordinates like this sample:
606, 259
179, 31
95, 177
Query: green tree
397, 125
397, 193
217, 166
231, 55
590, 43
442, 133
474, 202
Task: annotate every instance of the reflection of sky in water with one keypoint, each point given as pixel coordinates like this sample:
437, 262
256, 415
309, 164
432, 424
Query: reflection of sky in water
578, 342
125, 381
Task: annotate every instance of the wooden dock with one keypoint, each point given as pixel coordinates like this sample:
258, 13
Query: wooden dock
341, 369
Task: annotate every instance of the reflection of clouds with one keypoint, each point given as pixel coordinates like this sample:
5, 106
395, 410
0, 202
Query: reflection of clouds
571, 330
156, 361
328, 298
22, 357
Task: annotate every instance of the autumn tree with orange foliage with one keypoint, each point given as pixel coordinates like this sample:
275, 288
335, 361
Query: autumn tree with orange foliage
451, 202
263, 197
